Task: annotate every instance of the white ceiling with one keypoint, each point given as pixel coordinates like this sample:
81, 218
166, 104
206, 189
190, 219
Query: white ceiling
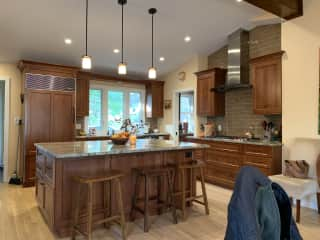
35, 30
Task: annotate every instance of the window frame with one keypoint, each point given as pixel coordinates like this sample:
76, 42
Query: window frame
122, 87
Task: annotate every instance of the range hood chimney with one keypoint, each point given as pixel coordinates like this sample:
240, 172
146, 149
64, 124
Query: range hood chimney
238, 62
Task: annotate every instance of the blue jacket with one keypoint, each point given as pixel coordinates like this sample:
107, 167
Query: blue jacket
267, 214
289, 230
242, 223
246, 218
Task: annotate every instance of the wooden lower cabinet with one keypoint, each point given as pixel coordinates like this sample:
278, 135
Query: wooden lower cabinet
225, 159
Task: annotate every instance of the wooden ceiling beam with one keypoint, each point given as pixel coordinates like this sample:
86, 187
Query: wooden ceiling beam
286, 9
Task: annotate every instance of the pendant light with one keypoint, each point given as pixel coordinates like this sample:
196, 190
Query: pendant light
122, 67
152, 72
86, 60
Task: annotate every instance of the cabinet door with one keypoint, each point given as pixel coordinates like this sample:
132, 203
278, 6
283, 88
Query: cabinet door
37, 117
266, 79
157, 100
82, 96
40, 192
204, 95
62, 117
48, 203
154, 101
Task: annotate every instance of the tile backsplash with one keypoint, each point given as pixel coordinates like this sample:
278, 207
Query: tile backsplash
239, 115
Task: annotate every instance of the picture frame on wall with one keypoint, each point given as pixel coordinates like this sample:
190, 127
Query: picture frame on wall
167, 104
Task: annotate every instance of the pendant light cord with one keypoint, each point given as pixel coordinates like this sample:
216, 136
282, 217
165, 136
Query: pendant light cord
152, 42
86, 27
122, 34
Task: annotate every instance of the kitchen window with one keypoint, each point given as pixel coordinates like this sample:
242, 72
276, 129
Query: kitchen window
109, 105
186, 113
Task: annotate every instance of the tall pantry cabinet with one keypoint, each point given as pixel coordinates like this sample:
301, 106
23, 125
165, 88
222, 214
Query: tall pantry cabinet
48, 100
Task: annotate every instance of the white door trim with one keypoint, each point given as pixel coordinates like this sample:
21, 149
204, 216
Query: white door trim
6, 126
175, 107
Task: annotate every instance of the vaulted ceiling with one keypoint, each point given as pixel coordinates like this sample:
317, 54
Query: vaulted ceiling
36, 29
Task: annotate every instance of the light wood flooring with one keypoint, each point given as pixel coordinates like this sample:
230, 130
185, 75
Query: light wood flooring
20, 219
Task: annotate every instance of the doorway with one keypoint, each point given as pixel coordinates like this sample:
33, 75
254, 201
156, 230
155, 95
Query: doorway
184, 111
2, 99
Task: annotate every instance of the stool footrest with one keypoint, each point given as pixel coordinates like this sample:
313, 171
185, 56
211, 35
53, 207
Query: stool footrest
180, 193
107, 220
150, 199
77, 230
193, 198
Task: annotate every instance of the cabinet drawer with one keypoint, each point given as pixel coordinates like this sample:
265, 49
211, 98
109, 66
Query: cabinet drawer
48, 169
255, 150
226, 147
264, 170
257, 161
40, 161
223, 171
214, 156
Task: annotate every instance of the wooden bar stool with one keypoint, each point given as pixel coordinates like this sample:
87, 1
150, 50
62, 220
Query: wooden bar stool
147, 174
193, 166
106, 178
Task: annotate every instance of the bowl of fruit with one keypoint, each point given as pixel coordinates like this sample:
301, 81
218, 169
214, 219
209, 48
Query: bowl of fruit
120, 138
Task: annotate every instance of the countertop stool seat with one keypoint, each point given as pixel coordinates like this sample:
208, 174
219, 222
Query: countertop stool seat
188, 196
161, 174
106, 178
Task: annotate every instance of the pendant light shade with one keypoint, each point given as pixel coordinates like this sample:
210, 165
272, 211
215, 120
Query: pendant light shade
152, 72
86, 60
122, 67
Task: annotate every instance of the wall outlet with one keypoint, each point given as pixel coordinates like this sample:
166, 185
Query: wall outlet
18, 121
78, 126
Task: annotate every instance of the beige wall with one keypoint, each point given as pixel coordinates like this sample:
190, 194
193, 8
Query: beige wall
301, 41
173, 85
12, 72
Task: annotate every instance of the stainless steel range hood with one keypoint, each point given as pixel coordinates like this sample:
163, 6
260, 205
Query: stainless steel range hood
238, 62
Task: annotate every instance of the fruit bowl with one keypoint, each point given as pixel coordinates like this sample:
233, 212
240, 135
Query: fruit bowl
120, 138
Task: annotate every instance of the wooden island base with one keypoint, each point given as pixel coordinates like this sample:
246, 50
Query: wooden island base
55, 187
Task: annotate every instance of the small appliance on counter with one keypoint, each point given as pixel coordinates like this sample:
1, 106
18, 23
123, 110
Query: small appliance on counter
208, 130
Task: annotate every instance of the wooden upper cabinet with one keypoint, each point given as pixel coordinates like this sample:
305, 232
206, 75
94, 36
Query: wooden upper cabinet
210, 103
82, 97
154, 100
266, 77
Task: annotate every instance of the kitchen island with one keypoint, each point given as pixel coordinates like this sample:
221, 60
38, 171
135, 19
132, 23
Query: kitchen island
57, 163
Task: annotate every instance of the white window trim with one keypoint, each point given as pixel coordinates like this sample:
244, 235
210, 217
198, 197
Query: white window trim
119, 86
6, 126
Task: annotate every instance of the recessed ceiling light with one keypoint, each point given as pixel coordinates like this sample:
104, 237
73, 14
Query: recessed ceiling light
162, 59
187, 38
116, 50
239, 0
67, 41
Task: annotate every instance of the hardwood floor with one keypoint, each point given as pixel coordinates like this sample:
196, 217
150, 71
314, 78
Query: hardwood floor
20, 219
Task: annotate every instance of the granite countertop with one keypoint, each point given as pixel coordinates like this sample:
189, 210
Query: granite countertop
100, 148
241, 141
